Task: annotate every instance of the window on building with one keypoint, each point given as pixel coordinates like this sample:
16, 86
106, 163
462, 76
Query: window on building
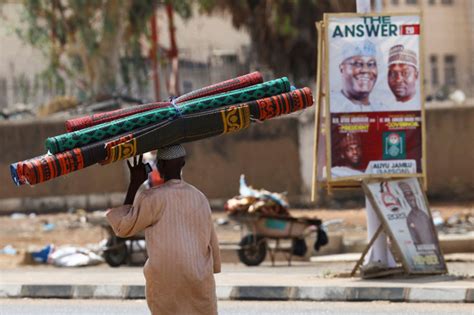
450, 70
449, 2
434, 70
412, 1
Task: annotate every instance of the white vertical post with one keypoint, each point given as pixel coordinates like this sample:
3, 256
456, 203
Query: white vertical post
378, 6
379, 252
363, 6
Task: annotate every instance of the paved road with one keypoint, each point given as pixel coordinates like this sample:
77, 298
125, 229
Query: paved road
118, 307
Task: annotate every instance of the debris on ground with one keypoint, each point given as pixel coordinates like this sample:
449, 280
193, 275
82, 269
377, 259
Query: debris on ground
72, 256
461, 222
65, 256
8, 250
24, 232
258, 201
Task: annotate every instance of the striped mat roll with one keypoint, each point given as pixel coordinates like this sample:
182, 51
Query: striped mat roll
96, 133
99, 118
46, 167
282, 104
49, 166
18, 179
221, 87
212, 123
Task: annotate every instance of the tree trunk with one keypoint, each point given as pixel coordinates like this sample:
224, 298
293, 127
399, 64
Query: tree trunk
107, 63
173, 54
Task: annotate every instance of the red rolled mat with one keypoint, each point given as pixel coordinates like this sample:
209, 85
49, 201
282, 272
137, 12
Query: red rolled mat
221, 87
46, 167
99, 118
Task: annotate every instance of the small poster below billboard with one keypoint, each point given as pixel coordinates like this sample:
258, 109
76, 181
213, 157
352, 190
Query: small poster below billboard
403, 210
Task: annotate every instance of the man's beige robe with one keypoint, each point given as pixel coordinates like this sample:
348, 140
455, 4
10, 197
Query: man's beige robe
182, 246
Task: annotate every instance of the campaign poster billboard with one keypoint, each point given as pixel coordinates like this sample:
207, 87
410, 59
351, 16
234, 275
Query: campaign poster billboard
402, 207
374, 99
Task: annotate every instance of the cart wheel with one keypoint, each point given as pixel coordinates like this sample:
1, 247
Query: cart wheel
252, 252
116, 252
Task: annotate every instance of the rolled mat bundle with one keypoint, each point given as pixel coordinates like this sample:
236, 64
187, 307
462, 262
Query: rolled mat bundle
136, 133
93, 134
212, 123
221, 87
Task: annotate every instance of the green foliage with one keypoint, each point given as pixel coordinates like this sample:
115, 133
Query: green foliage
184, 8
283, 32
91, 41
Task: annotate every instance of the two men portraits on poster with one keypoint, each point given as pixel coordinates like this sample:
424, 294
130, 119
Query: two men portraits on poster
375, 104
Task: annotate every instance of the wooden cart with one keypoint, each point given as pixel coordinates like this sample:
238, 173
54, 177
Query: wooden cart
118, 251
259, 229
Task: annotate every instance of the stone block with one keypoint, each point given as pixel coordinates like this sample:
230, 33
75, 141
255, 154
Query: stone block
135, 292
47, 291
109, 292
261, 293
450, 295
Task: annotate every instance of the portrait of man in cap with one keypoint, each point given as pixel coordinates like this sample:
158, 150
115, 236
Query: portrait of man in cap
358, 69
418, 222
350, 156
403, 74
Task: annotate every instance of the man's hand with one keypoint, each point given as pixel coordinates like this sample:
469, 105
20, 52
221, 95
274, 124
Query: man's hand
138, 172
138, 175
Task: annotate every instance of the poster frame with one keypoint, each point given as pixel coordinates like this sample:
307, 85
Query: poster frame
317, 111
387, 228
356, 181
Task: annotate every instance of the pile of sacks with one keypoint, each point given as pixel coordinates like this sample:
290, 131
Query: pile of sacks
253, 201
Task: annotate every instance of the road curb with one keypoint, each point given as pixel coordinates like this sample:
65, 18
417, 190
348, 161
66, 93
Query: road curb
277, 293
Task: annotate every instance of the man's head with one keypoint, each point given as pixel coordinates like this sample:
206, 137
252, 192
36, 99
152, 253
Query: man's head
408, 194
170, 160
351, 149
402, 73
359, 71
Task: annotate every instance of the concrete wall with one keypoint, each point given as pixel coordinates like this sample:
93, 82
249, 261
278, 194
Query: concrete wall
450, 157
275, 155
266, 153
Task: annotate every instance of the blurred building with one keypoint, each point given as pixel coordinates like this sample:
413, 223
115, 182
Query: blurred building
210, 49
449, 42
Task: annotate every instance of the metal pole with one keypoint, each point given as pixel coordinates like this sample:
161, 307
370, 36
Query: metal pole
363, 6
154, 55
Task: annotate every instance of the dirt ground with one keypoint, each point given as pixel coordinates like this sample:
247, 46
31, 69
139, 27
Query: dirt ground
33, 232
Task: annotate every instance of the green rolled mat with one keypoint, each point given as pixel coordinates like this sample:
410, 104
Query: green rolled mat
93, 134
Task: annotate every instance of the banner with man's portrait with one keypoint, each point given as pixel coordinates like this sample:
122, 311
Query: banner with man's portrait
374, 96
403, 209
